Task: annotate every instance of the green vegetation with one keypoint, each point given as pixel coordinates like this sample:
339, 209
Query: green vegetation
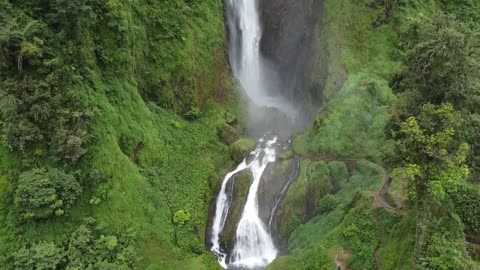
312, 259
117, 122
110, 111
402, 91
432, 124
241, 148
86, 248
351, 223
42, 193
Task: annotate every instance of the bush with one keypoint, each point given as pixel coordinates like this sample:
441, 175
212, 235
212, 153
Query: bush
88, 248
180, 217
41, 256
327, 204
466, 201
193, 113
42, 193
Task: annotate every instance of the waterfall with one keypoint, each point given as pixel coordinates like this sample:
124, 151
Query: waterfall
248, 66
221, 213
253, 244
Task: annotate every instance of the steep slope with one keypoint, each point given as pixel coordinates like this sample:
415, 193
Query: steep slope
360, 214
132, 73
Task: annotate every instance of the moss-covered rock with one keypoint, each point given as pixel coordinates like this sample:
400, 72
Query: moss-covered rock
285, 155
228, 134
313, 183
294, 206
299, 145
231, 118
241, 148
274, 179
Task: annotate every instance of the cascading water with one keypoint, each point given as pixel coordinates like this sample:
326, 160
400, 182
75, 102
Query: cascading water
253, 244
253, 247
221, 213
247, 63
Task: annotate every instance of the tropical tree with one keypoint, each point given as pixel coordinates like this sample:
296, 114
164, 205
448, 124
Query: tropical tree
435, 159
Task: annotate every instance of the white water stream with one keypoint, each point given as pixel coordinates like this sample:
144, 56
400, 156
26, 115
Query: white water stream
254, 246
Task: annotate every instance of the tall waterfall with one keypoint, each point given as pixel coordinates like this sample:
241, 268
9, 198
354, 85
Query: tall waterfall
257, 81
253, 247
253, 244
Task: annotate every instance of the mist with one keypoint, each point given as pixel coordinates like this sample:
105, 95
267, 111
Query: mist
267, 108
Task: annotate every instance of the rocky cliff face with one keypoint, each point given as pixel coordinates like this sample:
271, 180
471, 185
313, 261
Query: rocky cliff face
288, 41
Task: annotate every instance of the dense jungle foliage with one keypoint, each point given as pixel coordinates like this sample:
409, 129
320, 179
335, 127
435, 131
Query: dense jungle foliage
109, 115
118, 121
409, 104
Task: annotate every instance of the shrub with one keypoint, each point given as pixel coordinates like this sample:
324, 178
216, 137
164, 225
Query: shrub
466, 202
327, 204
42, 193
175, 124
41, 256
193, 113
180, 217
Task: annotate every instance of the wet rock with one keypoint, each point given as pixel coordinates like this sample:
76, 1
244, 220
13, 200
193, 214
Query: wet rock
273, 188
238, 188
249, 158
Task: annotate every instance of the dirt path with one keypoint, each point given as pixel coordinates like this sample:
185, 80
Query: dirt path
341, 258
379, 197
380, 200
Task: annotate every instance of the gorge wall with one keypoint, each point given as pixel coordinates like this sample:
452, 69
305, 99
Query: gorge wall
290, 30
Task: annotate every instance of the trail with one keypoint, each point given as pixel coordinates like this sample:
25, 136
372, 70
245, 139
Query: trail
380, 200
341, 258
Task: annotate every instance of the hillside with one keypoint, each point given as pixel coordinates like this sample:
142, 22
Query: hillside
113, 107
119, 120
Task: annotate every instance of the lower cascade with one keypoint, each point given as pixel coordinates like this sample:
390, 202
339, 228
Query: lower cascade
254, 246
